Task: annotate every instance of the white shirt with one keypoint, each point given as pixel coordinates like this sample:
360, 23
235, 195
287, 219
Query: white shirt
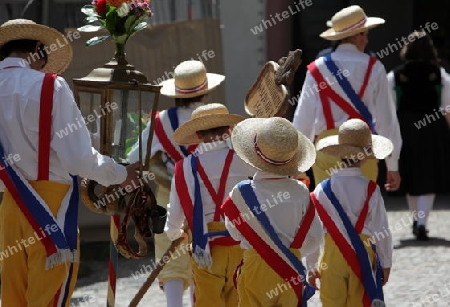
20, 91
184, 114
287, 202
445, 94
309, 118
212, 160
350, 187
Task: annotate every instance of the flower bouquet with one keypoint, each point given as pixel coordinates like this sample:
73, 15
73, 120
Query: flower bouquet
121, 18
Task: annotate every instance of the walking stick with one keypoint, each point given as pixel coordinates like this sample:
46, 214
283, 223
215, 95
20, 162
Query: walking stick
151, 278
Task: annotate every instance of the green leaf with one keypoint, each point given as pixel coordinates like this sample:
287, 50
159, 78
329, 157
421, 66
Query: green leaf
89, 10
90, 28
130, 22
96, 40
129, 144
140, 26
90, 19
133, 117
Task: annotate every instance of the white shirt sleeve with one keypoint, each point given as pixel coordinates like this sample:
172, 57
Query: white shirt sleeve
305, 113
175, 214
377, 221
74, 150
386, 117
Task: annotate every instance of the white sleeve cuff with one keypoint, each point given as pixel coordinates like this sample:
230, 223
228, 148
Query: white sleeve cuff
391, 164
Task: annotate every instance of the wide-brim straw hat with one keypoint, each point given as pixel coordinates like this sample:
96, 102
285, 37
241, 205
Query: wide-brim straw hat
273, 145
205, 117
190, 80
350, 21
58, 60
355, 141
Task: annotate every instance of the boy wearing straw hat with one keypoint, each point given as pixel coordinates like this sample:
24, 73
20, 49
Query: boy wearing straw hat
199, 186
344, 84
38, 214
358, 243
271, 215
190, 85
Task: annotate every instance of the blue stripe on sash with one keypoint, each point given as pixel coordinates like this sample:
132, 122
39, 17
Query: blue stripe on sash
373, 290
42, 216
252, 201
173, 117
348, 89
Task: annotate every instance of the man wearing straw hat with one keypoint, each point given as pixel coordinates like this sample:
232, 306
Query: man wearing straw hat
348, 84
190, 85
358, 243
199, 186
38, 215
271, 215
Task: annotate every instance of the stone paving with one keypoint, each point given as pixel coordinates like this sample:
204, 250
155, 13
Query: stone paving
420, 276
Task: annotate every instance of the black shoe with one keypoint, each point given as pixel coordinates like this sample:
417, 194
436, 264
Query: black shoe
414, 228
422, 233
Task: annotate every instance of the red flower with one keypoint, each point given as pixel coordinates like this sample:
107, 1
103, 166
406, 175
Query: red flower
101, 7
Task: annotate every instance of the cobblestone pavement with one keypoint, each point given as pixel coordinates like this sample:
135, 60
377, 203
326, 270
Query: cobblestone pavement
420, 276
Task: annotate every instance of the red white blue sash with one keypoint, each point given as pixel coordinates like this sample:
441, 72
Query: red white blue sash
166, 122
193, 207
352, 104
261, 235
60, 239
353, 249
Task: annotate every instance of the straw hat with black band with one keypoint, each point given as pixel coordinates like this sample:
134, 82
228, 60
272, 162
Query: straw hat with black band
355, 141
205, 117
190, 80
348, 22
273, 145
18, 29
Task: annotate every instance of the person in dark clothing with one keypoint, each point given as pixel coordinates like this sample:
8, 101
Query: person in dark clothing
421, 89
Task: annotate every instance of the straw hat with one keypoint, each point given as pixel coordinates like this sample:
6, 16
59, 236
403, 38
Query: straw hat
273, 145
205, 117
355, 141
190, 80
58, 60
350, 21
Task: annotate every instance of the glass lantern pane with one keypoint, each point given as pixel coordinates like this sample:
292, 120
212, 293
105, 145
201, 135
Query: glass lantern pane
126, 118
90, 106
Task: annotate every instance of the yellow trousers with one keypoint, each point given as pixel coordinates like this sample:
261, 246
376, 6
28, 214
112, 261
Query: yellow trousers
179, 267
325, 164
339, 285
216, 287
260, 286
25, 282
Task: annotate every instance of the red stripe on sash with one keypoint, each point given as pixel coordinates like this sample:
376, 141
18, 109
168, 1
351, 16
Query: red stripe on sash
183, 192
45, 122
304, 227
372, 61
275, 261
363, 215
347, 251
327, 93
165, 141
217, 197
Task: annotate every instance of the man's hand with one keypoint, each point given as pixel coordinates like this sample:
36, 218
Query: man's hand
312, 277
386, 273
132, 176
393, 181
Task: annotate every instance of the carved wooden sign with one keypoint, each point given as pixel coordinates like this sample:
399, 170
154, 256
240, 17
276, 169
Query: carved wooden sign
267, 97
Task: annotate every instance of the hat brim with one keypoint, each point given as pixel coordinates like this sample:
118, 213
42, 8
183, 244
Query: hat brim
243, 137
381, 148
59, 48
332, 35
168, 87
186, 134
